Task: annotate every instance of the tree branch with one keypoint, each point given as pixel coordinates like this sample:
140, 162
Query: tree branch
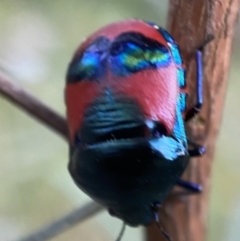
33, 106
50, 118
184, 218
64, 223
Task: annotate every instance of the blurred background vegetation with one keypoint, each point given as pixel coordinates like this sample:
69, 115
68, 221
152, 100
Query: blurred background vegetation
37, 41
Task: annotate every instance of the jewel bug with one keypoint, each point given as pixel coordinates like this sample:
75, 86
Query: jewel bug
126, 107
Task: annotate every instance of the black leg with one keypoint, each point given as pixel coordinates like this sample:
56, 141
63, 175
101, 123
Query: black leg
197, 107
197, 150
193, 187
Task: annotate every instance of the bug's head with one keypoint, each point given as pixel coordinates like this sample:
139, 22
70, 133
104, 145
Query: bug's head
140, 215
133, 218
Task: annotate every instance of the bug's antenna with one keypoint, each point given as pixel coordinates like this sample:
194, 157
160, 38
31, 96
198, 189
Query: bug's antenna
121, 232
160, 228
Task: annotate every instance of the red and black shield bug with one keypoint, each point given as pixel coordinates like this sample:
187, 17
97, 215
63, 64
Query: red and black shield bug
126, 107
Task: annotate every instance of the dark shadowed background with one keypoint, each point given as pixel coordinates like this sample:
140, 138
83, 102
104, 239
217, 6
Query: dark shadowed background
37, 40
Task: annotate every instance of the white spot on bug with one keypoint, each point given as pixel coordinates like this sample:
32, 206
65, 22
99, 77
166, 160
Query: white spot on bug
150, 124
180, 152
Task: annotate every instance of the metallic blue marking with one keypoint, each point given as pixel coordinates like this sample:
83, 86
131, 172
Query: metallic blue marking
173, 47
181, 78
167, 147
179, 130
166, 35
183, 101
90, 65
133, 58
176, 54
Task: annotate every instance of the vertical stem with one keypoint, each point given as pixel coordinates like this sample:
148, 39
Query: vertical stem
184, 218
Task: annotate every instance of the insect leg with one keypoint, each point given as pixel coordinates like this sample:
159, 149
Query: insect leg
155, 208
197, 151
197, 107
193, 187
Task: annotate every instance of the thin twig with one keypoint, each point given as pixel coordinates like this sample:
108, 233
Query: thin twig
50, 118
64, 223
33, 106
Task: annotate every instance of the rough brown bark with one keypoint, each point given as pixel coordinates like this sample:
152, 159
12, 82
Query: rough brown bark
184, 217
